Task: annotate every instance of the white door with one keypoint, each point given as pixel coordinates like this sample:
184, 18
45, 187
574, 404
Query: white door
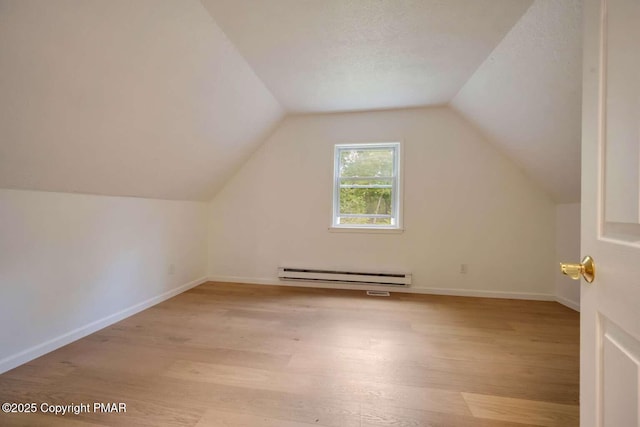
610, 306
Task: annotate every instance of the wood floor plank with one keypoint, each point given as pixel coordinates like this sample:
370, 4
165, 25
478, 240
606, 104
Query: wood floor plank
522, 411
385, 416
490, 379
41, 420
215, 418
252, 355
189, 397
340, 387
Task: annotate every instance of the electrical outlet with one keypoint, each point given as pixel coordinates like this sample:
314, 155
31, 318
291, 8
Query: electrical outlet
171, 270
464, 268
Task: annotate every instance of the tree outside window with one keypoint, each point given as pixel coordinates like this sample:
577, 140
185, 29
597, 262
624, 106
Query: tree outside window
366, 193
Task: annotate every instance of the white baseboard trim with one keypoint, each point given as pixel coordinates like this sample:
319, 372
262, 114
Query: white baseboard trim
408, 290
568, 303
34, 352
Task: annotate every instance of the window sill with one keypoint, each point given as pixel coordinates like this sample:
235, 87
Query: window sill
366, 230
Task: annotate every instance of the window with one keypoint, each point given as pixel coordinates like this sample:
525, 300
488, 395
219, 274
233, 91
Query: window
366, 190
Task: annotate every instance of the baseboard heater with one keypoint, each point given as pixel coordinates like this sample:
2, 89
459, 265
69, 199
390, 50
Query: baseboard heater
343, 276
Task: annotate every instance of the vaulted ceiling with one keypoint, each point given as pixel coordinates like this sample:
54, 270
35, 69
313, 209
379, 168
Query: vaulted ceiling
345, 55
167, 98
526, 96
140, 98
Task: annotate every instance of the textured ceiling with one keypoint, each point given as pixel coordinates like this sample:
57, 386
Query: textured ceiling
144, 98
526, 96
341, 55
150, 98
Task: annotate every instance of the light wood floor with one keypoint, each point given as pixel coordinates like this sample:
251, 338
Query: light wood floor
251, 356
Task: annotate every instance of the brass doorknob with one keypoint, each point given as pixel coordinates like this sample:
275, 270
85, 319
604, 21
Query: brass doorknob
587, 268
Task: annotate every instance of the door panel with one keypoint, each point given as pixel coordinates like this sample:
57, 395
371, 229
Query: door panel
610, 306
622, 111
621, 383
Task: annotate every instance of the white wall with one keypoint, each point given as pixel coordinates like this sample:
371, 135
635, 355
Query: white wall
567, 250
465, 202
71, 264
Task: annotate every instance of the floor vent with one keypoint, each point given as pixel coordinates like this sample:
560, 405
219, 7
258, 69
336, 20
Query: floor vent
378, 293
352, 277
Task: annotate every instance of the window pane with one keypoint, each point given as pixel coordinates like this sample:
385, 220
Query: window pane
367, 201
365, 183
366, 162
363, 221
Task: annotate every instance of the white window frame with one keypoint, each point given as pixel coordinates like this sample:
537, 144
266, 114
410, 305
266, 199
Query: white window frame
396, 190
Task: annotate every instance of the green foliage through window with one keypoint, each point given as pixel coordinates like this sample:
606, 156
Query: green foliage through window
366, 180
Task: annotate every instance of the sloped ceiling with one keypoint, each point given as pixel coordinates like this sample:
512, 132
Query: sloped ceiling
124, 97
150, 98
342, 55
513, 68
526, 96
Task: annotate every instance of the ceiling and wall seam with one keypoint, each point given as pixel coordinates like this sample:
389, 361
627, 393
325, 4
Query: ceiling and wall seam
153, 101
489, 140
526, 96
174, 103
228, 40
273, 129
359, 55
